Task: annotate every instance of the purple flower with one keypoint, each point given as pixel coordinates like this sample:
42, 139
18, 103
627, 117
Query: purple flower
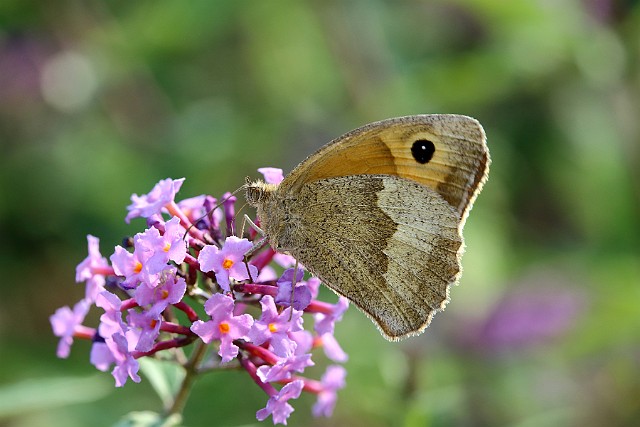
193, 207
277, 405
64, 323
141, 288
325, 322
170, 291
228, 262
284, 260
304, 341
93, 269
144, 328
128, 265
111, 321
274, 327
162, 194
146, 244
283, 369
267, 274
223, 326
101, 357
272, 175
313, 284
529, 315
162, 249
332, 380
229, 208
126, 365
301, 294
332, 349
215, 216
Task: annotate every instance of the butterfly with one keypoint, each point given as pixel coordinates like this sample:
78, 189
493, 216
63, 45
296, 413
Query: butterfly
377, 214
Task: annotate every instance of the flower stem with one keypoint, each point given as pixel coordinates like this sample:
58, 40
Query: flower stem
186, 308
252, 288
251, 369
191, 371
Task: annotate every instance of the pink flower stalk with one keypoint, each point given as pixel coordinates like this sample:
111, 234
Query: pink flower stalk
154, 290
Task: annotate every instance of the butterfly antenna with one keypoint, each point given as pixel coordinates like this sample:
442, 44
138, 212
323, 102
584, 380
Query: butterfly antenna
210, 211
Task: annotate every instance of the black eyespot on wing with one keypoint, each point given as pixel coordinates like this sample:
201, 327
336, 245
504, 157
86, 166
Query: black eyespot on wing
423, 150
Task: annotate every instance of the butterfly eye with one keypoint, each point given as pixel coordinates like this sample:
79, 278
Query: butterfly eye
423, 150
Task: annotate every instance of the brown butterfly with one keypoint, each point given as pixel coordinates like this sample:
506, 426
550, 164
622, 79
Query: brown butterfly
377, 214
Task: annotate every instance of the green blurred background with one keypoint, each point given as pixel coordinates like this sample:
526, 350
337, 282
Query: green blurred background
101, 99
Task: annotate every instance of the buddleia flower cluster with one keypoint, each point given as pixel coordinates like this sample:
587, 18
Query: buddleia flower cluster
189, 261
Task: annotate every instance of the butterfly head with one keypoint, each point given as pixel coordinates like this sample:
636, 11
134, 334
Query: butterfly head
256, 192
264, 197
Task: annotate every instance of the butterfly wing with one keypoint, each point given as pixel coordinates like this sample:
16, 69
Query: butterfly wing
456, 169
392, 246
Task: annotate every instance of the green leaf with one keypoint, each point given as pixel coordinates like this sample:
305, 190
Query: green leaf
38, 394
149, 419
165, 377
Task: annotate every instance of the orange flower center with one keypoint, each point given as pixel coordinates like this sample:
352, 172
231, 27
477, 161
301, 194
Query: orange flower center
153, 323
224, 327
273, 328
138, 267
165, 294
167, 246
227, 264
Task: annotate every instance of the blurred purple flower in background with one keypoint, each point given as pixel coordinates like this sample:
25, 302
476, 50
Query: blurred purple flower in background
22, 59
540, 308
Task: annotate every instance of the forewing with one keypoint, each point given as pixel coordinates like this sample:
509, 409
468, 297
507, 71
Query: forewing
457, 169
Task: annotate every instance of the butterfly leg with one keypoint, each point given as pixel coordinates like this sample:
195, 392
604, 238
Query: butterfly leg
253, 225
256, 245
293, 287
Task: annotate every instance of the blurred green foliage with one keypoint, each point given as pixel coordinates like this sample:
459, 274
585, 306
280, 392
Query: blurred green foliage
101, 99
